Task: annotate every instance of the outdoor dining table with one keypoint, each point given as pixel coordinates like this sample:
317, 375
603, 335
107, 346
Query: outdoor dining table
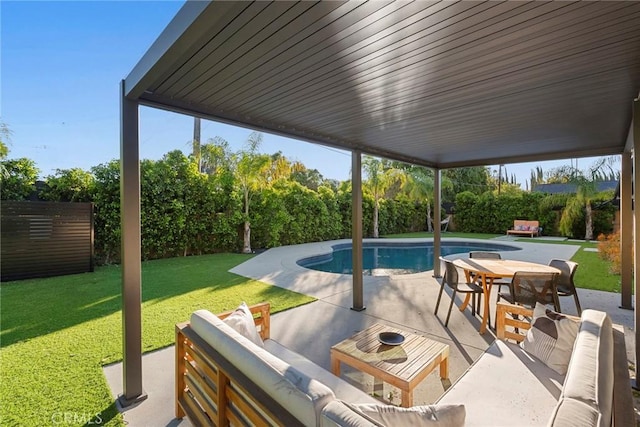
487, 270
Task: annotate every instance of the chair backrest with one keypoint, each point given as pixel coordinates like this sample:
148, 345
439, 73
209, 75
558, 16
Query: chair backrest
450, 274
528, 288
567, 271
484, 255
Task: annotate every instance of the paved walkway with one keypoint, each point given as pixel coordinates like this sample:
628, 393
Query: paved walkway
406, 302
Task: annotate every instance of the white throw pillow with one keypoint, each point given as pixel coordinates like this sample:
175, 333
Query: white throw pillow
427, 415
551, 338
242, 321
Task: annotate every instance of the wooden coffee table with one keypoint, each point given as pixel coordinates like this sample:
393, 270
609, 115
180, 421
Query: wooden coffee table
403, 366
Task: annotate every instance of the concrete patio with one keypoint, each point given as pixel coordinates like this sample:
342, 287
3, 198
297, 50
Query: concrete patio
406, 302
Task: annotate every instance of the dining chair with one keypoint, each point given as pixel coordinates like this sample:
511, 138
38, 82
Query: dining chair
451, 279
565, 285
491, 255
527, 288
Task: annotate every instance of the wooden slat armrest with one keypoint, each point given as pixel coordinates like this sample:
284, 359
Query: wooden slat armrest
506, 317
234, 397
505, 314
261, 317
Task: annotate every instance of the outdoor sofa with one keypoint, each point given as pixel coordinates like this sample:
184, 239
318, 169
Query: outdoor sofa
525, 228
224, 376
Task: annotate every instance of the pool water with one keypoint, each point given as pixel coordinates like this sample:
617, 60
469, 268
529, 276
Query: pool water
383, 259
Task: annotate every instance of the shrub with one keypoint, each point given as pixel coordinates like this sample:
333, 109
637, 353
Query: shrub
19, 178
68, 185
609, 250
465, 217
269, 218
106, 199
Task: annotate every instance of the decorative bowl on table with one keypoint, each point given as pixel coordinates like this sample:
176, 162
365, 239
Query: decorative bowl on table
390, 338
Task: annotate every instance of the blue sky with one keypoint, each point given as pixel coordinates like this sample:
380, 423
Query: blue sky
61, 65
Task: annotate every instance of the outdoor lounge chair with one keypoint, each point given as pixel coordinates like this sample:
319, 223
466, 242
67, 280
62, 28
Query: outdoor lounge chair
444, 224
451, 279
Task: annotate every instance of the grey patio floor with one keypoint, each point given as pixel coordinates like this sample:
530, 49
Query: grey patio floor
405, 301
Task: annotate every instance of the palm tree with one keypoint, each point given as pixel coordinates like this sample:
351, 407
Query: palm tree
250, 168
214, 156
280, 168
419, 186
380, 177
586, 189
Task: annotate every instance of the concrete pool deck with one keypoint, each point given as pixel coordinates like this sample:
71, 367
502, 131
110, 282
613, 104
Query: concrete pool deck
406, 302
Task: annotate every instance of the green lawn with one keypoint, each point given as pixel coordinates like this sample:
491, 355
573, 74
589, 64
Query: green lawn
593, 271
57, 333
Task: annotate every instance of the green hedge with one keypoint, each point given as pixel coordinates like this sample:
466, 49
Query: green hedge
490, 213
185, 212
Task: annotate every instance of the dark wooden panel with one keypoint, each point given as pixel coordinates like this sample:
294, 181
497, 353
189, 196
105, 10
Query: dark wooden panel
43, 239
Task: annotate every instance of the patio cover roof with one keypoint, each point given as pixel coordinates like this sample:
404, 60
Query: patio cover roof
439, 84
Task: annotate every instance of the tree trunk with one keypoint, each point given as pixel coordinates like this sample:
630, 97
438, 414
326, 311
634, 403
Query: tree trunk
429, 219
588, 234
375, 220
246, 247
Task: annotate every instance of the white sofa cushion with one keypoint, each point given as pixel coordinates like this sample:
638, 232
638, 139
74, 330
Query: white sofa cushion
242, 321
427, 415
344, 414
588, 390
338, 413
506, 386
303, 396
572, 413
342, 389
551, 338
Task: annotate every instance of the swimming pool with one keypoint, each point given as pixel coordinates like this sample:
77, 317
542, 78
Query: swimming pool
391, 258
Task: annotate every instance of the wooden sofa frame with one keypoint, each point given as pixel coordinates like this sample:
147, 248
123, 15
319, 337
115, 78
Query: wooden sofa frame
213, 392
531, 224
510, 326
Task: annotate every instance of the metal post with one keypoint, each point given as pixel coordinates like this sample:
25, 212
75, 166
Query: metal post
437, 215
356, 228
130, 252
636, 229
626, 231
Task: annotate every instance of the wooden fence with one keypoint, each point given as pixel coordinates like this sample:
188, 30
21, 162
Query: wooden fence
43, 239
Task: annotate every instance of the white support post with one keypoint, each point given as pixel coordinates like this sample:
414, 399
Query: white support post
356, 228
130, 252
